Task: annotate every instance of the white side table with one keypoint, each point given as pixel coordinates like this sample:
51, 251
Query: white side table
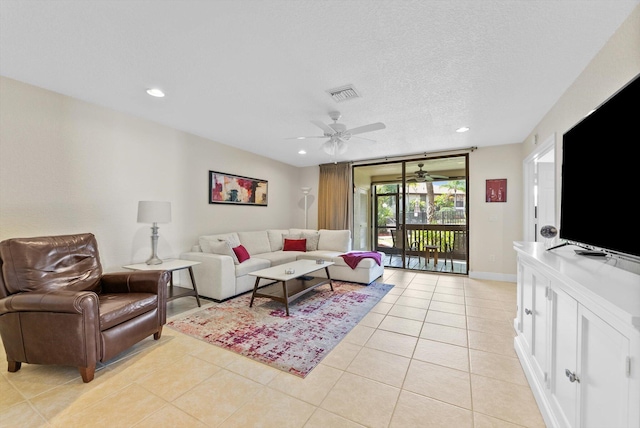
172, 265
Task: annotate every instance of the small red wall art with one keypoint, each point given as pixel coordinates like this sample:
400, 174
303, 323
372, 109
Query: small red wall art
497, 190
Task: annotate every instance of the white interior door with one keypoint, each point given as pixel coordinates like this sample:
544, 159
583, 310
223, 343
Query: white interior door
546, 204
539, 188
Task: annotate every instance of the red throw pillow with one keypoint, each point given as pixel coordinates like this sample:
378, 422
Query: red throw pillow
241, 253
295, 245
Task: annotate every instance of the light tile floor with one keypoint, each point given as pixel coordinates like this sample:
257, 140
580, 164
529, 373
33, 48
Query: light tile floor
437, 351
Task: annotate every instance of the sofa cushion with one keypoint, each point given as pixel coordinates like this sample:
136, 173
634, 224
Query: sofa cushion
116, 308
275, 238
251, 265
334, 240
241, 253
255, 242
362, 264
325, 255
334, 256
294, 245
280, 257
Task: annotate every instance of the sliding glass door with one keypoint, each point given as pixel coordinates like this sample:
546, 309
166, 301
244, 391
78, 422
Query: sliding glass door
418, 212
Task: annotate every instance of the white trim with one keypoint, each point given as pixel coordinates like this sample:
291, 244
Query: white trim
493, 276
528, 182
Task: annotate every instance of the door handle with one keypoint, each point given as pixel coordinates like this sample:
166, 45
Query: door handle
528, 311
572, 376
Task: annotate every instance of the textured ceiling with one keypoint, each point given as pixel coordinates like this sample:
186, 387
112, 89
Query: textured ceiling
252, 74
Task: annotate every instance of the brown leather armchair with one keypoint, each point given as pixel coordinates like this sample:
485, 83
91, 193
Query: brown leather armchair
57, 307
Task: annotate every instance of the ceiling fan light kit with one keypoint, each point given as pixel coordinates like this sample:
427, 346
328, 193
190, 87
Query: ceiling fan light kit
338, 134
334, 147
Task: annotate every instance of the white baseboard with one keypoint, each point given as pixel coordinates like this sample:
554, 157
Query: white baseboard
493, 276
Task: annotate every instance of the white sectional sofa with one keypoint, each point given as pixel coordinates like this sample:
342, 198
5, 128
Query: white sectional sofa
220, 277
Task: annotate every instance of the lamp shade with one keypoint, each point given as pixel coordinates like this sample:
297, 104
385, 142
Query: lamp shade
154, 212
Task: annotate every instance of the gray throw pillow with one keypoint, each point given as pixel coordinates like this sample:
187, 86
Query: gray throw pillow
223, 247
312, 240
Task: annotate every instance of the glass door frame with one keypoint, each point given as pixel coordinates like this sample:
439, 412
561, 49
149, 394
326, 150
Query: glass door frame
443, 232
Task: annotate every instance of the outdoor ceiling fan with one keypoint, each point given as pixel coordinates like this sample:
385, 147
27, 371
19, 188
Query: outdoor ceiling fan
338, 134
422, 176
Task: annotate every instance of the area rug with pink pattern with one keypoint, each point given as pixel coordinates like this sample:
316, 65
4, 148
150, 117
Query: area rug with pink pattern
317, 322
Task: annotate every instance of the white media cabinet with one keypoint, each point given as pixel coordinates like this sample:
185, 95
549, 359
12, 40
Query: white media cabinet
578, 337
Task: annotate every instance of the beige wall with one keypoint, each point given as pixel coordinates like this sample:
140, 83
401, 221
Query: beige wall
67, 166
615, 65
493, 226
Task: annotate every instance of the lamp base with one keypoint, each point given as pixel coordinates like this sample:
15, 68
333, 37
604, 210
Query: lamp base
154, 261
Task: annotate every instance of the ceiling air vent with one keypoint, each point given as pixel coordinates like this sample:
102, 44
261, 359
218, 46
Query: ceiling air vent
343, 93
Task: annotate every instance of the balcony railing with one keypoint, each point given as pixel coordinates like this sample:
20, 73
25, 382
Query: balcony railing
450, 240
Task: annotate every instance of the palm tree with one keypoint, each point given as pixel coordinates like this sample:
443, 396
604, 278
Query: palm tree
431, 203
455, 185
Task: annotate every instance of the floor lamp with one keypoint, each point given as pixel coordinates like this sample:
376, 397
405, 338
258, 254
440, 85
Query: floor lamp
306, 191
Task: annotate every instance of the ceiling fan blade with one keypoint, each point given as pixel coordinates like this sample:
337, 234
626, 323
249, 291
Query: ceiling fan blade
437, 176
305, 138
362, 138
326, 128
367, 128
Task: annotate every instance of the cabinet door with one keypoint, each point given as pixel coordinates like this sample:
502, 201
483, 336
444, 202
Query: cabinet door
534, 315
540, 325
526, 305
563, 389
602, 369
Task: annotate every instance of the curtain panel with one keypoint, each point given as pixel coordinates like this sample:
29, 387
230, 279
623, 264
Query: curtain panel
334, 190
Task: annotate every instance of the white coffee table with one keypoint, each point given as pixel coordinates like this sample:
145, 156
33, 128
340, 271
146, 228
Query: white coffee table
293, 285
172, 265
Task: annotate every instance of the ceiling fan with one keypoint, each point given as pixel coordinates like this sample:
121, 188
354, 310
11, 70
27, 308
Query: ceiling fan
338, 134
422, 176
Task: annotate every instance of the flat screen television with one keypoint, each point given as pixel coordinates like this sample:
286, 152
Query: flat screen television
601, 176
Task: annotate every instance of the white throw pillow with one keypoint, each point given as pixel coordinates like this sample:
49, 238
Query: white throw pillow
224, 248
275, 238
205, 240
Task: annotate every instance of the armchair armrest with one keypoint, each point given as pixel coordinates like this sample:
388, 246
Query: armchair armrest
153, 281
63, 301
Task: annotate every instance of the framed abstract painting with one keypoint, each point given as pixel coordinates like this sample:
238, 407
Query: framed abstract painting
235, 189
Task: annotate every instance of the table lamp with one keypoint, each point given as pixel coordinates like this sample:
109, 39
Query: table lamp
154, 212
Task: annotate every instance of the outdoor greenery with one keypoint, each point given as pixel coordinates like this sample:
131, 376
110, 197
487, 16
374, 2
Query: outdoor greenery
423, 208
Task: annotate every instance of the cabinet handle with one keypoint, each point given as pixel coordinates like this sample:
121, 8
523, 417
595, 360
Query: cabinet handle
528, 311
572, 376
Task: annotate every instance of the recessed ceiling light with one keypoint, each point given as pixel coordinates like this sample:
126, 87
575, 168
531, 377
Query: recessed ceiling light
302, 152
463, 129
155, 92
